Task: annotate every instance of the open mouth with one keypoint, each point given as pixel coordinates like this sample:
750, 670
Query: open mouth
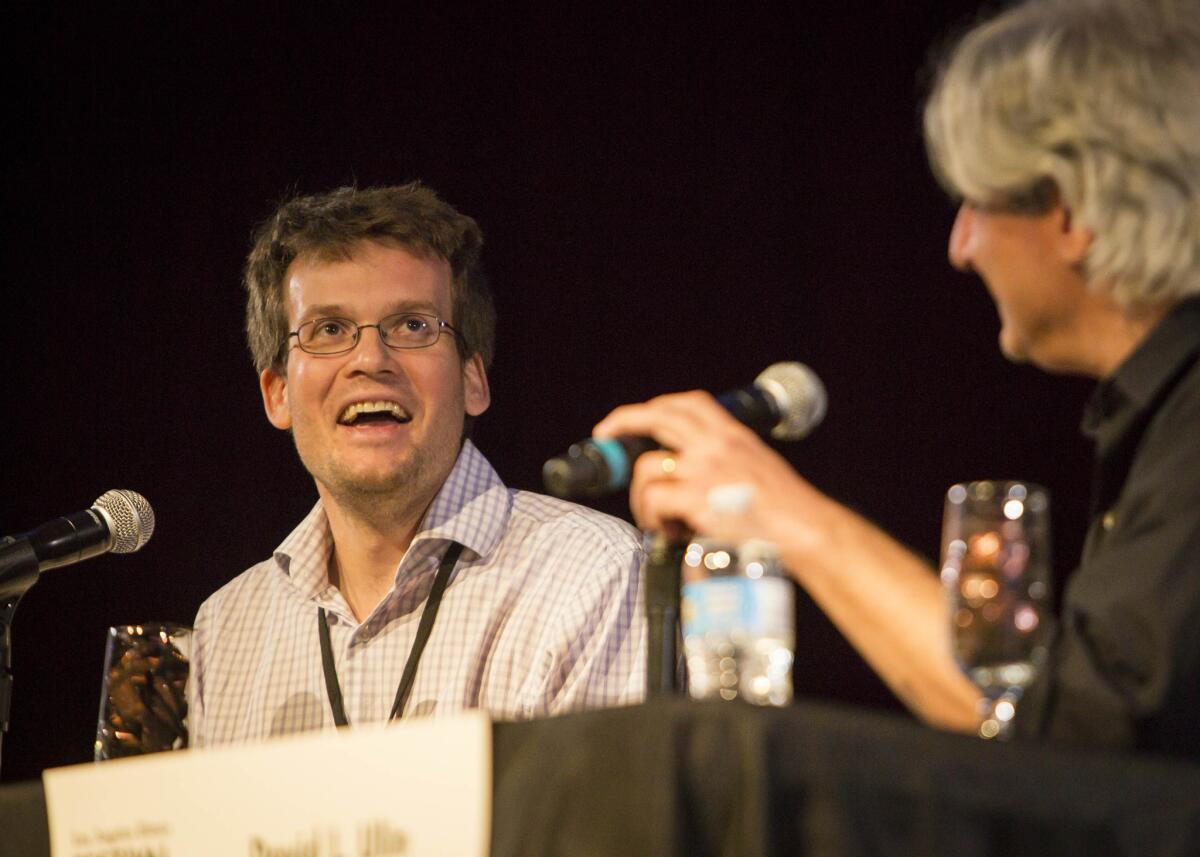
373, 413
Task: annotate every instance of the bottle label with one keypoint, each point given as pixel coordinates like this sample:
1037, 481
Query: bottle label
729, 606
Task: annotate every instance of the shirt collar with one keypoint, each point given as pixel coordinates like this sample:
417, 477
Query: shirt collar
304, 554
472, 507
1170, 346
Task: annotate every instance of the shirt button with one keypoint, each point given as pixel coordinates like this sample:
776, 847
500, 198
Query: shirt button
1108, 520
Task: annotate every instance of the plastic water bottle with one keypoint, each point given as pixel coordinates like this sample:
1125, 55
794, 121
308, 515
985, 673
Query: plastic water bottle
738, 612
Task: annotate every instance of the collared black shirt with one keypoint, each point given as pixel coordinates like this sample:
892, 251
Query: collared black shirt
1124, 667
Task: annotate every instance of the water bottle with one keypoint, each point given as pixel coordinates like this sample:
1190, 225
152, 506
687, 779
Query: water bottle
738, 612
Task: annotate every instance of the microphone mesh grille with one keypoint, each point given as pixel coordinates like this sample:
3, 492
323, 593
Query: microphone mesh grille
131, 517
799, 395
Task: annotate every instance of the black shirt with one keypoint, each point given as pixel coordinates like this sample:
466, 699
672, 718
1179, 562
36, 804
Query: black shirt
1124, 667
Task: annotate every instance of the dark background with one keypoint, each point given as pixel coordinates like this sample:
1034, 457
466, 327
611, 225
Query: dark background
671, 199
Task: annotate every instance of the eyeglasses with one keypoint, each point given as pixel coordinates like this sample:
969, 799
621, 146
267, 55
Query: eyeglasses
400, 331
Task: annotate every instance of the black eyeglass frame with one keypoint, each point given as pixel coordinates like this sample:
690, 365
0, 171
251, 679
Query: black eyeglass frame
442, 326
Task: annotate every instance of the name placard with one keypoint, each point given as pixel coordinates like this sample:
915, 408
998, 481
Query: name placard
411, 789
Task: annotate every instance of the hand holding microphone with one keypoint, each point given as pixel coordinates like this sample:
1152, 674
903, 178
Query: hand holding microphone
786, 400
712, 473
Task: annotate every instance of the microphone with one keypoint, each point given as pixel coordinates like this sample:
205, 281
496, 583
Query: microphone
786, 400
119, 521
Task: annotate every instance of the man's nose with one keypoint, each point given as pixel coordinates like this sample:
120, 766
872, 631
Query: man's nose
370, 347
961, 235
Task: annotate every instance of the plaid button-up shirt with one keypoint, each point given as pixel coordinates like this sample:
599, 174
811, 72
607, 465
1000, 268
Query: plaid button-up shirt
543, 615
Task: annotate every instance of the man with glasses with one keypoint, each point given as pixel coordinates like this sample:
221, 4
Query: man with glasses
1070, 131
418, 584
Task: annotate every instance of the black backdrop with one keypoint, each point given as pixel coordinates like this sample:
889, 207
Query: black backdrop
670, 199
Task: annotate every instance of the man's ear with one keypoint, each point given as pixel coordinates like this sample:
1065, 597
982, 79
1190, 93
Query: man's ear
477, 396
274, 394
1075, 239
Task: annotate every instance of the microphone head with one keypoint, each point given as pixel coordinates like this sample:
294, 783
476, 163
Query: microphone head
129, 517
798, 394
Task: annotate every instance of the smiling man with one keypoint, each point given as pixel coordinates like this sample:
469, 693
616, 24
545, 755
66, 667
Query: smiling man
418, 584
1070, 132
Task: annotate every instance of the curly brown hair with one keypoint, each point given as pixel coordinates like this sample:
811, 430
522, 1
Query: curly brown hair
330, 226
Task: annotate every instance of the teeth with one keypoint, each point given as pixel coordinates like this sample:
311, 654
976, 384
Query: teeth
350, 414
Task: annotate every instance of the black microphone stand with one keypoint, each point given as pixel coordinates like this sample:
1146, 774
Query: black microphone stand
18, 572
664, 556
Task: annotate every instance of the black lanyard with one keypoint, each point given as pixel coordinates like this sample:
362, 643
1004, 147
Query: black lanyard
334, 691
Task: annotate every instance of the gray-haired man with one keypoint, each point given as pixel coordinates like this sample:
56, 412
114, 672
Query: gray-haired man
1070, 130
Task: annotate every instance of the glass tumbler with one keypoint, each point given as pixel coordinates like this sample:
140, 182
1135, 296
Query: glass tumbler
143, 708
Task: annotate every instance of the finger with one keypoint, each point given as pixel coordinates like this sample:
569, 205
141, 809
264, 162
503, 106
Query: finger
663, 504
669, 426
657, 464
674, 420
650, 467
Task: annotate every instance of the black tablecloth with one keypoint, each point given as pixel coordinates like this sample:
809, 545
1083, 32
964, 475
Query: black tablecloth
723, 779
678, 778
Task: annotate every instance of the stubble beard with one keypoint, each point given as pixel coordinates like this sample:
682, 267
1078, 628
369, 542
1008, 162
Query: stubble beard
402, 494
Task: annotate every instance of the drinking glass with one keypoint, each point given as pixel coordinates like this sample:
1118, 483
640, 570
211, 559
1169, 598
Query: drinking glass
142, 703
996, 575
